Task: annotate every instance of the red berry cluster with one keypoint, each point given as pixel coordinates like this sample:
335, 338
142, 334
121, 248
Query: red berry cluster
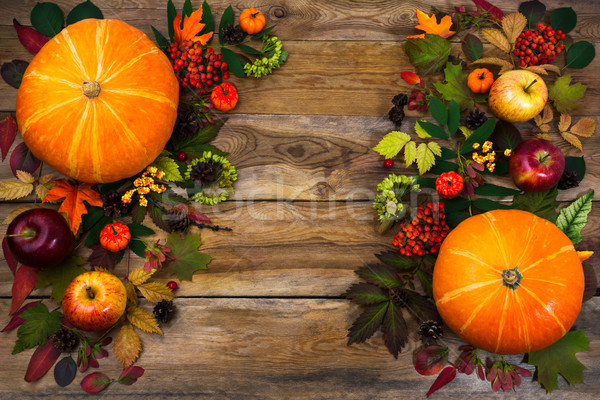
197, 66
540, 46
425, 233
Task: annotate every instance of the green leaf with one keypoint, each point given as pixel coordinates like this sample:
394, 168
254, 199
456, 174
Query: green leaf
426, 182
210, 131
380, 275
565, 96
226, 20
572, 219
392, 143
532, 10
563, 19
410, 153
187, 8
259, 35
169, 167
438, 110
395, 331
420, 306
472, 47
396, 260
455, 204
560, 358
91, 218
171, 14
505, 136
93, 235
207, 20
489, 189
426, 280
47, 18
453, 117
140, 230
367, 323
157, 217
235, 65
455, 87
447, 154
428, 55
197, 143
161, 41
137, 246
60, 276
187, 258
425, 157
542, 204
576, 164
39, 324
455, 218
250, 50
12, 72
82, 11
443, 166
420, 130
480, 135
580, 54
366, 293
434, 130
489, 205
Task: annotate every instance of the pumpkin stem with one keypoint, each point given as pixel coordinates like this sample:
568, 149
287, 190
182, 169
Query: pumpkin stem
225, 93
255, 14
90, 89
482, 76
511, 277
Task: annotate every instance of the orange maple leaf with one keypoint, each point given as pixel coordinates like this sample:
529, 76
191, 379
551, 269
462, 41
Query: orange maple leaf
430, 25
75, 195
191, 27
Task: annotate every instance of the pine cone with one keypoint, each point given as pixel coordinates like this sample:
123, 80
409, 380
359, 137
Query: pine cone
430, 332
65, 340
112, 206
202, 173
396, 115
177, 220
400, 100
186, 124
475, 119
568, 180
164, 310
232, 34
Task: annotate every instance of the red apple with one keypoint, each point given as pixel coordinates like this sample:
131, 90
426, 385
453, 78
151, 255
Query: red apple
518, 96
39, 238
536, 165
94, 301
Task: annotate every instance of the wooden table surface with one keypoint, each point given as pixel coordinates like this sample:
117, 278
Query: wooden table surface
267, 320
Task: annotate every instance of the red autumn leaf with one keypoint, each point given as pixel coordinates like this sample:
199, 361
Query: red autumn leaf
494, 12
431, 359
41, 361
130, 375
445, 377
8, 133
31, 39
23, 284
410, 77
95, 382
191, 27
8, 256
17, 321
192, 213
22, 159
74, 195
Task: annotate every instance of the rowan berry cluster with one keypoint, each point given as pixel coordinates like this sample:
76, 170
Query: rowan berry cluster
425, 233
197, 66
540, 46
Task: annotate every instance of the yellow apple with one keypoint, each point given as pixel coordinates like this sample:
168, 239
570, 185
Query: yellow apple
518, 96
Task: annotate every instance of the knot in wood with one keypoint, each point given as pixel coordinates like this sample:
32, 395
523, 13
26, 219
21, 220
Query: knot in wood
278, 12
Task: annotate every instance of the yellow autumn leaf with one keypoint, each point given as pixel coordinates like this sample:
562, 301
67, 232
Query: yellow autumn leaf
143, 320
11, 190
584, 255
100, 269
155, 292
544, 128
42, 189
544, 136
572, 139
25, 176
585, 127
512, 25
564, 122
430, 25
497, 38
127, 346
131, 294
550, 67
537, 69
505, 65
139, 276
11, 215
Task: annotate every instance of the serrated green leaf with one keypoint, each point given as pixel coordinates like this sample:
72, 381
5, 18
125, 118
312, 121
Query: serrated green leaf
426, 280
438, 110
380, 275
410, 153
428, 55
455, 87
93, 235
366, 293
489, 189
420, 306
542, 204
137, 246
39, 324
82, 11
443, 166
367, 323
560, 358
395, 330
465, 131
564, 19
392, 143
47, 18
169, 167
187, 259
572, 219
233, 62
226, 20
489, 205
60, 276
447, 154
435, 148
425, 158
197, 143
453, 117
455, 204
434, 130
420, 131
396, 260
580, 54
480, 135
565, 96
171, 14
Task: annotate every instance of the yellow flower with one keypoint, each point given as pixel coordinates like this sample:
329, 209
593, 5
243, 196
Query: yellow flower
491, 167
487, 145
475, 145
507, 152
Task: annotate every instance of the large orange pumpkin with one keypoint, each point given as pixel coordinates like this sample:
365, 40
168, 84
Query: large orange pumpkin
98, 102
508, 282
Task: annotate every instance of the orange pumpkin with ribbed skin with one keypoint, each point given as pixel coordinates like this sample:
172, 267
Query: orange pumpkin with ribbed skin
508, 282
98, 102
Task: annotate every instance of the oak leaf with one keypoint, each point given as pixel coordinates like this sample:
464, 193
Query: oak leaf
191, 27
497, 38
127, 346
430, 25
143, 320
155, 291
74, 194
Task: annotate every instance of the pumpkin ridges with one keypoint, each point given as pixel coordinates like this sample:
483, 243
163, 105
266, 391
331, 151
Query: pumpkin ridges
467, 254
548, 258
523, 327
491, 220
145, 94
503, 315
478, 309
453, 295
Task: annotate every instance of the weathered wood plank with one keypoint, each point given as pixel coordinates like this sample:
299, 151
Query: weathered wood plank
281, 348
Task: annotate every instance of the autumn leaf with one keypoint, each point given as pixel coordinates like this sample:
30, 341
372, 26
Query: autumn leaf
430, 25
127, 346
512, 25
410, 77
505, 65
11, 190
131, 294
61, 276
186, 257
143, 320
496, 38
11, 215
572, 139
8, 133
565, 96
564, 123
191, 27
542, 120
585, 127
75, 195
155, 292
139, 276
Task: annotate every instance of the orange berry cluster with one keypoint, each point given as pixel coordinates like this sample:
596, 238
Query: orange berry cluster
197, 66
540, 46
425, 233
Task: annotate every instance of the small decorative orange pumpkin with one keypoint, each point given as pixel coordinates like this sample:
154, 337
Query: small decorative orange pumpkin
252, 21
224, 96
508, 282
480, 80
98, 102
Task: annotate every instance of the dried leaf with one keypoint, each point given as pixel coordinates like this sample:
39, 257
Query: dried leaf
31, 39
131, 294
8, 133
143, 320
191, 27
11, 190
41, 361
9, 257
45, 179
505, 65
430, 25
537, 69
410, 77
564, 123
445, 377
25, 176
155, 292
544, 136
23, 284
17, 321
545, 117
127, 346
11, 215
74, 194
544, 128
585, 127
139, 276
512, 25
497, 38
572, 139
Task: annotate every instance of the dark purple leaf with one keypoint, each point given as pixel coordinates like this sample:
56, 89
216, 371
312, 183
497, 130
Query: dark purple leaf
396, 260
8, 133
106, 341
130, 375
395, 331
31, 39
65, 371
472, 47
100, 257
12, 72
380, 275
16, 321
23, 284
95, 382
445, 377
41, 361
494, 13
505, 136
431, 359
367, 323
8, 256
591, 281
22, 159
420, 306
532, 10
366, 293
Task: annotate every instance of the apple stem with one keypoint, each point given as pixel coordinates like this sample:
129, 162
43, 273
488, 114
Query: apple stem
27, 234
544, 157
90, 292
530, 85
